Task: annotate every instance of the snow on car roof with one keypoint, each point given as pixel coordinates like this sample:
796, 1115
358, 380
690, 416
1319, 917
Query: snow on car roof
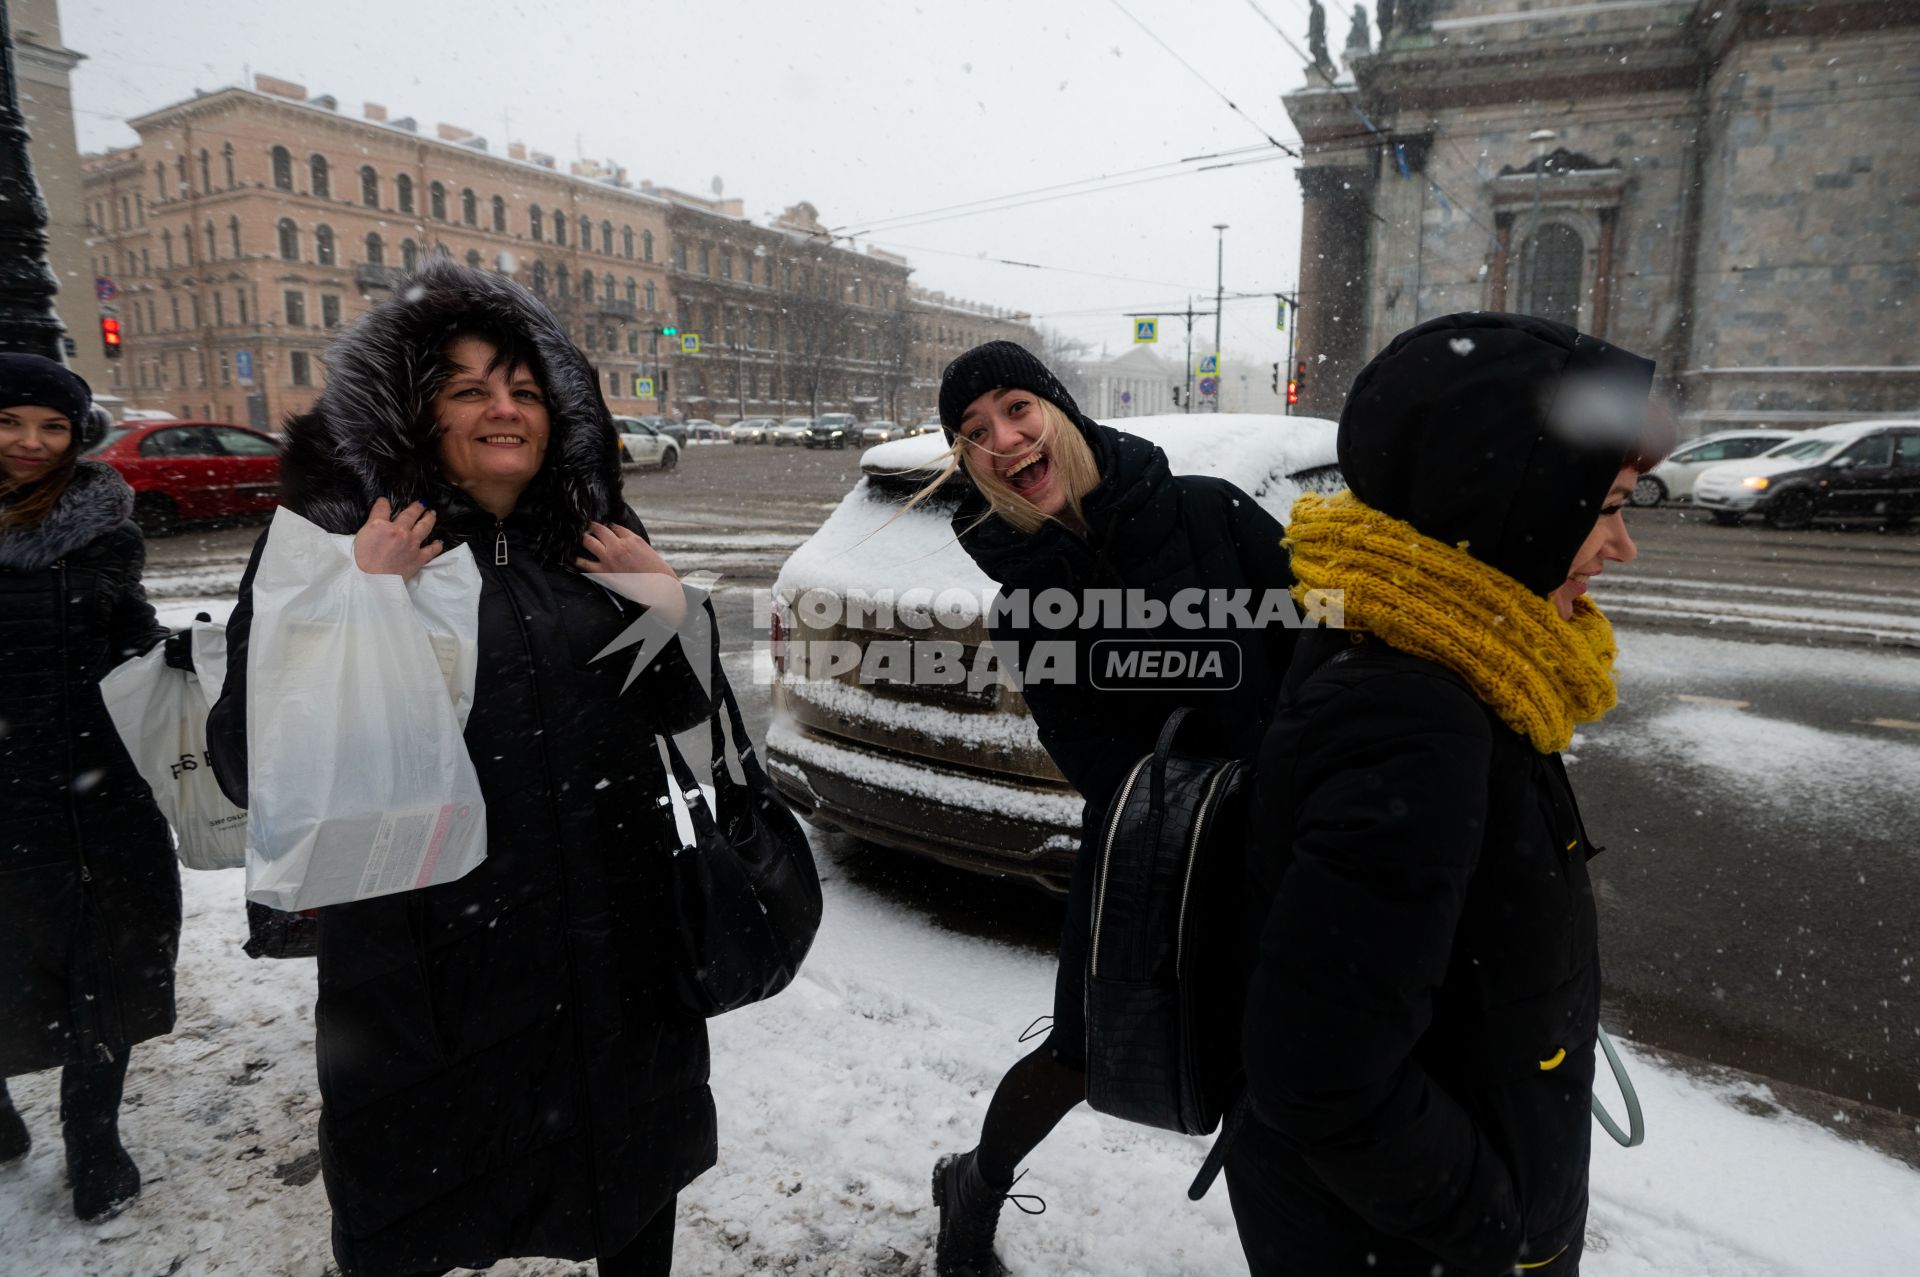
867, 543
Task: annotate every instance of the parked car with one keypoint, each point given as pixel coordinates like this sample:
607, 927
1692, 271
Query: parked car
184, 471
1672, 479
751, 429
880, 432
954, 770
832, 430
930, 427
645, 445
792, 430
703, 431
672, 429
1858, 470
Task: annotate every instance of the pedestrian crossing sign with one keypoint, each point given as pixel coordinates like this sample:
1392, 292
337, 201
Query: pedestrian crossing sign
643, 387
1209, 366
689, 343
1146, 330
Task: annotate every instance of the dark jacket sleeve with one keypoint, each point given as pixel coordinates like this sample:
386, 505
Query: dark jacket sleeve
668, 687
227, 722
133, 629
1389, 805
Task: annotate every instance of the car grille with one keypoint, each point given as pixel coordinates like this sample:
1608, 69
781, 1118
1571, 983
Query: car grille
954, 695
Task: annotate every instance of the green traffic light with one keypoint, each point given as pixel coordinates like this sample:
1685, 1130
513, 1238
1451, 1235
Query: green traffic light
669, 332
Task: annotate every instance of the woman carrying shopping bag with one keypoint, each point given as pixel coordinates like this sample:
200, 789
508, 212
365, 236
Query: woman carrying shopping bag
1062, 502
502, 1070
89, 891
1419, 1035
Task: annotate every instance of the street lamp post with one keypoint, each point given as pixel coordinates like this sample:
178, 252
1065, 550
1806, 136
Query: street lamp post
27, 284
1219, 296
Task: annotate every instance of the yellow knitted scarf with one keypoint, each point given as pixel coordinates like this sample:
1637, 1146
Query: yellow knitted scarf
1541, 674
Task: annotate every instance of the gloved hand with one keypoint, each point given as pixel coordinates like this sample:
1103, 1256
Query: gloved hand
179, 648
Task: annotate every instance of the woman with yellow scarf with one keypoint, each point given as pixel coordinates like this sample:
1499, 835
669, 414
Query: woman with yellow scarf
1425, 995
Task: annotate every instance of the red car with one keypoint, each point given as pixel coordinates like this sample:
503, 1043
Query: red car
189, 470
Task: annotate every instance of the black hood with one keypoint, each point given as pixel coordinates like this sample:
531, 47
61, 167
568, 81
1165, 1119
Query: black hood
372, 432
1502, 432
96, 501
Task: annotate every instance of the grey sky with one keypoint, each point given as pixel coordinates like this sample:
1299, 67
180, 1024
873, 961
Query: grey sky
868, 110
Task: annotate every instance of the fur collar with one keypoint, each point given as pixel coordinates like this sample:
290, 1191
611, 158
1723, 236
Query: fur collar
371, 432
97, 501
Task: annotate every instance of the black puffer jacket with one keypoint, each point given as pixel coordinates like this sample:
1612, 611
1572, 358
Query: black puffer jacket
1156, 533
502, 1070
89, 889
1420, 1033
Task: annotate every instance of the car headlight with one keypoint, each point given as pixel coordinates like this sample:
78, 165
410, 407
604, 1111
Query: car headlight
1757, 482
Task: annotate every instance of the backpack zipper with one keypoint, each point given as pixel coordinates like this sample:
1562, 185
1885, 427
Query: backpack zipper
1106, 859
1193, 854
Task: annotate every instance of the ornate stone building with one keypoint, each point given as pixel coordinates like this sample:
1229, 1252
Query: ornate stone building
945, 327
1725, 185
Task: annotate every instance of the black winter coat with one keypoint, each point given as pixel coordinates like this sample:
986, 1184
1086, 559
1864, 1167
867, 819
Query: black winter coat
1419, 1038
1157, 533
89, 888
502, 1069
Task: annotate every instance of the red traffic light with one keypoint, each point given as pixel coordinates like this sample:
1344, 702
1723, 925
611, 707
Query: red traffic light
1293, 392
110, 336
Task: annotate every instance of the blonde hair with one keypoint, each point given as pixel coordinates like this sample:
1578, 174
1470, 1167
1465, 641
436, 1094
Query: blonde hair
1068, 454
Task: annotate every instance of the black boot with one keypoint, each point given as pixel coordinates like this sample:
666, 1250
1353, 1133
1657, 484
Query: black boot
14, 1139
969, 1213
104, 1178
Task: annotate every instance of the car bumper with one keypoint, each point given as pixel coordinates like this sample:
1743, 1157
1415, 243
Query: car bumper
975, 822
1737, 501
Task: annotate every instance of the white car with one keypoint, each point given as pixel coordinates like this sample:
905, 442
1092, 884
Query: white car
1672, 479
794, 430
703, 431
750, 430
643, 445
953, 769
880, 432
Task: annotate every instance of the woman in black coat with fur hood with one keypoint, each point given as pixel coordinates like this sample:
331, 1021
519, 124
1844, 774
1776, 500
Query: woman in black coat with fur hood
502, 1069
89, 889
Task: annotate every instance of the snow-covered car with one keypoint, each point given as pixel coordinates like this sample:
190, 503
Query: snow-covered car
880, 432
645, 445
794, 430
929, 427
905, 754
1672, 479
700, 430
1865, 470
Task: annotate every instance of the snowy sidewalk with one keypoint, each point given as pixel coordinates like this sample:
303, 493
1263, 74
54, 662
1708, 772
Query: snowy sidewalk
834, 1100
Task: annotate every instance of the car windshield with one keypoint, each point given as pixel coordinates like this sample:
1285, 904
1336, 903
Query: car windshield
1806, 449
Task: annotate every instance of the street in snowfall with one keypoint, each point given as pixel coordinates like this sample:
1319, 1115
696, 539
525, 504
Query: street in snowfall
1760, 915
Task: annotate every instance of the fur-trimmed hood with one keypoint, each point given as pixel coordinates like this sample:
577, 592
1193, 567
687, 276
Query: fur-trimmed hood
97, 501
372, 431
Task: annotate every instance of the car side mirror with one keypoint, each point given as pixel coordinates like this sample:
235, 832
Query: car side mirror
1845, 463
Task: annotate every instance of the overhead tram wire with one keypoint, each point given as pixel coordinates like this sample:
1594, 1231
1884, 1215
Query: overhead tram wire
1231, 104
1008, 261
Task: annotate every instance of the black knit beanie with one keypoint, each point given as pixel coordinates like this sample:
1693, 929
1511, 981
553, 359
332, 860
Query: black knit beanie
37, 380
997, 365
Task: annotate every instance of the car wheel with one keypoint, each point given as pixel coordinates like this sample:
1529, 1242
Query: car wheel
1790, 511
1648, 491
156, 514
670, 458
1725, 518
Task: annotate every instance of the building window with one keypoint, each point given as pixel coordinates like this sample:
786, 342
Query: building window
295, 305
219, 310
606, 288
534, 230
633, 341
469, 207
403, 193
649, 294
586, 234
329, 310
289, 241
540, 278
166, 247
706, 259
376, 249
559, 228
226, 158
606, 238
206, 171
593, 337
323, 245
437, 202
473, 259
212, 249
586, 285
369, 186
562, 281
1550, 269
226, 369
300, 368
320, 177
499, 215
613, 384
633, 293
746, 267
240, 300
646, 245
233, 234
409, 256
626, 242
726, 263
610, 339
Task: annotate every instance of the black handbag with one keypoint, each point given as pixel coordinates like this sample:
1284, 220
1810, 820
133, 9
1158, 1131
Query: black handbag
275, 933
1166, 975
745, 894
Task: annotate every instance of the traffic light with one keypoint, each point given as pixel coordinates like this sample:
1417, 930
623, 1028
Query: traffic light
1296, 383
1176, 396
110, 336
1276, 379
668, 330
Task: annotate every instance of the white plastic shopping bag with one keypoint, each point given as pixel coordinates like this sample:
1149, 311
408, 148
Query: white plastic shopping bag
358, 687
161, 713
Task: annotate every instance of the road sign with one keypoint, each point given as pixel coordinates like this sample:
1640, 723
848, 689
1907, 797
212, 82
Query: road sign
1280, 316
1209, 366
1207, 386
1126, 396
104, 288
689, 343
243, 364
643, 387
1146, 330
